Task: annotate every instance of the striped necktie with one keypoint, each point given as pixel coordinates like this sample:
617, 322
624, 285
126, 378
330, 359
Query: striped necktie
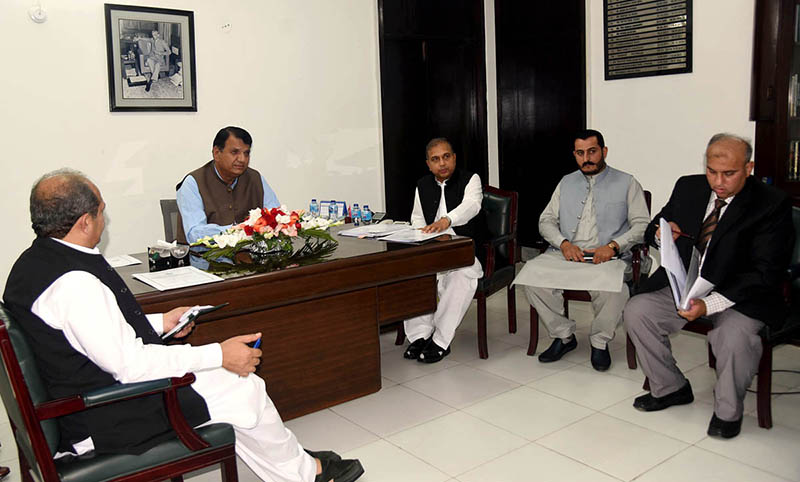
709, 225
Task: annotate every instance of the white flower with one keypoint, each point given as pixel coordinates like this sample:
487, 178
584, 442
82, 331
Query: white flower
283, 219
253, 216
229, 238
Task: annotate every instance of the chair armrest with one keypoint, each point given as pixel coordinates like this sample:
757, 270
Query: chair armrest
110, 394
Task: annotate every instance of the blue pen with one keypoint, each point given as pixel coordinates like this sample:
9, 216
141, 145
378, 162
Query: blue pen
257, 343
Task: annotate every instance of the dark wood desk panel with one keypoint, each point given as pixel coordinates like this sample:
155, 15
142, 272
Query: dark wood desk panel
319, 322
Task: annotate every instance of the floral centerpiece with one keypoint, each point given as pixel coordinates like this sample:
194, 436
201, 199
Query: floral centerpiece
266, 240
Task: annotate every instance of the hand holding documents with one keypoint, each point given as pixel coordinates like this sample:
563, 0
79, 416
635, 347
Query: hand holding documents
686, 285
410, 235
189, 316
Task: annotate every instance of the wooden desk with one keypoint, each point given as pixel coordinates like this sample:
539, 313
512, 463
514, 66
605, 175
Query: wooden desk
319, 323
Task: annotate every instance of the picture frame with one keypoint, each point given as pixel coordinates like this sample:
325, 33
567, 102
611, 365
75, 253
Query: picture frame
141, 40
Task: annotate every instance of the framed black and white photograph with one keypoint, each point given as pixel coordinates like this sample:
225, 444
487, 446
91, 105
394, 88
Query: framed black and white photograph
151, 63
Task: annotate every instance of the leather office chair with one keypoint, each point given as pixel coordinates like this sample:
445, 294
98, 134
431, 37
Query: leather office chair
499, 267
770, 338
638, 252
169, 211
36, 431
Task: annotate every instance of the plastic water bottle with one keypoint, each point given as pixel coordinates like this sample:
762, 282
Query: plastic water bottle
356, 215
314, 208
366, 215
333, 211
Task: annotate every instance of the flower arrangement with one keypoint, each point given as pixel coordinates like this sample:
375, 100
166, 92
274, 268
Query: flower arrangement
266, 238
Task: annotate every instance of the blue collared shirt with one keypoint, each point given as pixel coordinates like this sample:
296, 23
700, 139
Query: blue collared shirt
190, 204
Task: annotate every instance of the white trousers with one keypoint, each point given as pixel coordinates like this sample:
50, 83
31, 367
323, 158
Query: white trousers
262, 441
607, 306
455, 289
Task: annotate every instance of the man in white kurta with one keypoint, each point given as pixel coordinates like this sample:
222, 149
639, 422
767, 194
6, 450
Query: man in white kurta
596, 211
87, 313
430, 335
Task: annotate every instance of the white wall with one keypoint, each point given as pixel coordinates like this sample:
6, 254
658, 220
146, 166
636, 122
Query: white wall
657, 127
302, 77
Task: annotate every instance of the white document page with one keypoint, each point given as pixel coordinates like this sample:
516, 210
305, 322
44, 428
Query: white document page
686, 286
176, 278
410, 236
373, 230
122, 260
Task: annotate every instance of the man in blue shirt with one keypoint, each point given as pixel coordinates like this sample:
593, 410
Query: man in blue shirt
222, 192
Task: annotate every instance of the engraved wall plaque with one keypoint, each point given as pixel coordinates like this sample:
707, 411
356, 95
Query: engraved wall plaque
647, 37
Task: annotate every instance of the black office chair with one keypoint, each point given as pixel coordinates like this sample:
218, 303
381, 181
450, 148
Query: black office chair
169, 211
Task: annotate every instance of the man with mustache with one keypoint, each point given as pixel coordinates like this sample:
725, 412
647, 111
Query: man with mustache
223, 191
596, 211
742, 231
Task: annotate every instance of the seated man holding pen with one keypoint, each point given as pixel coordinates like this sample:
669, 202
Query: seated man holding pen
448, 200
90, 333
743, 232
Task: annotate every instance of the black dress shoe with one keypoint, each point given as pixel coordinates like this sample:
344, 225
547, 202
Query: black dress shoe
649, 403
324, 455
724, 429
601, 359
4, 471
149, 83
346, 470
415, 348
433, 353
558, 349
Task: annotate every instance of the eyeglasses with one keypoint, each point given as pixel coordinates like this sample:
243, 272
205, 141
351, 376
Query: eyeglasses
590, 151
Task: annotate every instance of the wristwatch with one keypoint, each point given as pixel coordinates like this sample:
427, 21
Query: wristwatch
614, 246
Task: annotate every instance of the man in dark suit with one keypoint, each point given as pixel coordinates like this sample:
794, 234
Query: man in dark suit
743, 232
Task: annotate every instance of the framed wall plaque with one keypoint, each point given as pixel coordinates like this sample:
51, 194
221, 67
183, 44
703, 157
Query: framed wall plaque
647, 37
151, 63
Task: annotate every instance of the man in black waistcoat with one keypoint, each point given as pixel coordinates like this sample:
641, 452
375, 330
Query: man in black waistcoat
742, 231
448, 201
90, 332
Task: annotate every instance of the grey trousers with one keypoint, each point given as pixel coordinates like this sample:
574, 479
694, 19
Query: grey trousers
649, 320
607, 306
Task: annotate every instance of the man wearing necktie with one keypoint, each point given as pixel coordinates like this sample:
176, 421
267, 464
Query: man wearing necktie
742, 230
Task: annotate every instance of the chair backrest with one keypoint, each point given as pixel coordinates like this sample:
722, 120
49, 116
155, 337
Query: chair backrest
21, 388
648, 199
169, 211
500, 209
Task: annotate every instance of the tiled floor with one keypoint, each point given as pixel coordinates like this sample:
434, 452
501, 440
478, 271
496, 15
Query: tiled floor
510, 418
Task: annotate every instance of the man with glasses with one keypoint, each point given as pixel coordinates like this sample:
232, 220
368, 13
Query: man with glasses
595, 215
447, 201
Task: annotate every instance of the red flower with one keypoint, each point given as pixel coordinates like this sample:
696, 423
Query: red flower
248, 230
298, 226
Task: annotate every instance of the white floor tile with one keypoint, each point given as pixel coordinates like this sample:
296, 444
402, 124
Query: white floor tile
588, 387
786, 410
774, 450
387, 342
326, 430
610, 445
457, 442
391, 410
533, 462
461, 385
528, 413
515, 364
464, 347
697, 464
684, 422
384, 462
398, 369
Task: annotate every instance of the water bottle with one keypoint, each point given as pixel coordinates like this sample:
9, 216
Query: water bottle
314, 208
356, 215
333, 211
366, 215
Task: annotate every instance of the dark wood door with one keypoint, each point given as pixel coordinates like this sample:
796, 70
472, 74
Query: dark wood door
541, 90
433, 84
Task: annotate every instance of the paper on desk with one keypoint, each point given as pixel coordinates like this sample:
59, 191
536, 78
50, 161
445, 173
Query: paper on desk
551, 270
176, 278
685, 285
412, 236
373, 230
122, 260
